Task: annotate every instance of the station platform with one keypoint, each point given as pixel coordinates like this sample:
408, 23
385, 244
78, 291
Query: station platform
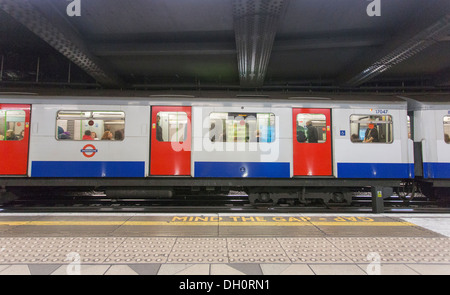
224, 244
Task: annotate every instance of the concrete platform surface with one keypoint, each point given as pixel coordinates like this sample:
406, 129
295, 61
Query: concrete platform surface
224, 244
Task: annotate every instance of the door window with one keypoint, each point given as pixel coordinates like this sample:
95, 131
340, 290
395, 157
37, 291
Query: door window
171, 126
12, 125
242, 127
447, 129
311, 128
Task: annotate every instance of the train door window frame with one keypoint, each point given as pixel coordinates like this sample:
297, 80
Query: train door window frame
318, 123
2, 125
360, 123
12, 122
71, 125
446, 125
410, 122
171, 126
242, 127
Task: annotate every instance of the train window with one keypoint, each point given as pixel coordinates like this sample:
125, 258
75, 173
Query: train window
242, 127
12, 124
447, 129
90, 125
371, 128
311, 128
172, 126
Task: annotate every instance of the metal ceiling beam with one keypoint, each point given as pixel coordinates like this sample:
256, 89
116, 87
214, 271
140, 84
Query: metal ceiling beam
62, 37
408, 49
226, 48
156, 49
255, 26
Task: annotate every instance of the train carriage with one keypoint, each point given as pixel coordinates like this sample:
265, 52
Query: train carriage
389, 155
274, 149
431, 132
60, 146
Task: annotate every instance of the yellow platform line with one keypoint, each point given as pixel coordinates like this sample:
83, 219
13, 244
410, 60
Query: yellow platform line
200, 223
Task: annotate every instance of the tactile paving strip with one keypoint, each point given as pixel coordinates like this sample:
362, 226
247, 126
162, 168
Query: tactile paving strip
258, 250
312, 250
30, 250
86, 250
395, 250
142, 250
128, 250
199, 250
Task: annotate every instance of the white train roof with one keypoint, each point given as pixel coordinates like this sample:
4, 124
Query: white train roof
215, 99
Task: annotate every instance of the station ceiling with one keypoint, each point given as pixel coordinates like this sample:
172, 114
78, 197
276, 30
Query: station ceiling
286, 45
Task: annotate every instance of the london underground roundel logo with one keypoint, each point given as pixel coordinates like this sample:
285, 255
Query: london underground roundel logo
89, 150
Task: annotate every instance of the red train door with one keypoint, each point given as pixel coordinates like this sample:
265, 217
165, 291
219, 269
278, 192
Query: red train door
312, 142
170, 141
14, 138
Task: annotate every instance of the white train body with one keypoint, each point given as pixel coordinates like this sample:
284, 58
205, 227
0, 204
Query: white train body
431, 126
264, 143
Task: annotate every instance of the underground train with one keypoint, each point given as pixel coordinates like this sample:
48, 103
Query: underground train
296, 148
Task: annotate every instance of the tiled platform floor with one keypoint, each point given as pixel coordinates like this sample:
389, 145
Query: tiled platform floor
225, 269
425, 251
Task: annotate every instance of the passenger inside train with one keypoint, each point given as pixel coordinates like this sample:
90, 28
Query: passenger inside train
12, 125
107, 135
371, 134
90, 125
87, 135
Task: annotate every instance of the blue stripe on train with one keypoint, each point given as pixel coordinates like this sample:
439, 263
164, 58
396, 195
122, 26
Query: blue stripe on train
375, 170
87, 169
436, 170
242, 169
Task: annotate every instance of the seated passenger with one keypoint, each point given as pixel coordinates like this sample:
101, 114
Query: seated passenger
371, 134
10, 135
87, 135
446, 138
60, 131
118, 135
355, 138
94, 135
21, 135
64, 135
107, 135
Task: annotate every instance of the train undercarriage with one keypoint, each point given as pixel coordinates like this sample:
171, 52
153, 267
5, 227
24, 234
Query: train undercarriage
186, 191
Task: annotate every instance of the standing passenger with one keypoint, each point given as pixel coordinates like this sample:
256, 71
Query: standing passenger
158, 130
313, 136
